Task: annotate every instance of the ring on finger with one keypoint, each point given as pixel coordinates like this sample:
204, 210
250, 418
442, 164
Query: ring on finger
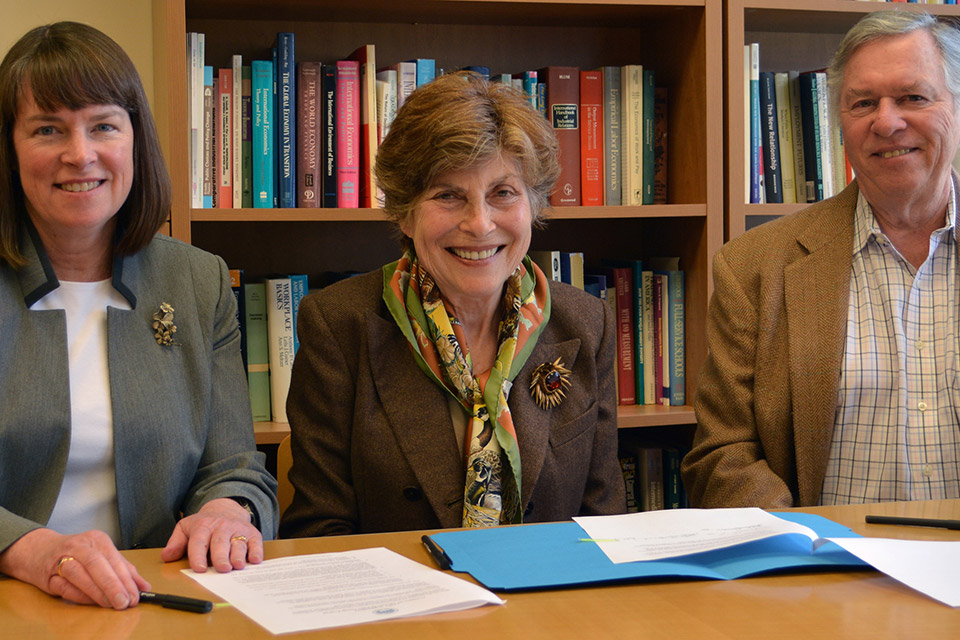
61, 562
242, 539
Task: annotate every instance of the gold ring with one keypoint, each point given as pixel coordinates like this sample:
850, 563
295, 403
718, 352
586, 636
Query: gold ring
242, 539
60, 563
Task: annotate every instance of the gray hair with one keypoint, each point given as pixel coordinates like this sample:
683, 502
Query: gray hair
879, 24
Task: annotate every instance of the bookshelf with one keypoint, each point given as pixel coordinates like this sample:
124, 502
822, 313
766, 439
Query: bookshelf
679, 39
792, 35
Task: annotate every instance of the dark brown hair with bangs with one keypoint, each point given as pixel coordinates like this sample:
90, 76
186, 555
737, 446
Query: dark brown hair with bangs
73, 65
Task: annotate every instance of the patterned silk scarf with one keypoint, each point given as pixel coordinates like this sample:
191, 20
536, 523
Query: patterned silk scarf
429, 322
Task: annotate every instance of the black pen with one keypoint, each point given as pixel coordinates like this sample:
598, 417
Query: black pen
177, 602
915, 522
443, 560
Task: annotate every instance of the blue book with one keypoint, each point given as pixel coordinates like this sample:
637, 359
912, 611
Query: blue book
484, 71
674, 322
298, 289
263, 152
529, 80
286, 120
770, 141
276, 129
426, 70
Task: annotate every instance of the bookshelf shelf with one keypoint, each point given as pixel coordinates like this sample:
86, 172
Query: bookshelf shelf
680, 39
791, 36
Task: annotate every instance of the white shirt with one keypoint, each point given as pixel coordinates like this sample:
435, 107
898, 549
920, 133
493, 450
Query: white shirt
897, 432
88, 496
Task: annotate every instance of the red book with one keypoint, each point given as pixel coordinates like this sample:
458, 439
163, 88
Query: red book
225, 138
309, 134
365, 56
563, 112
591, 138
626, 378
348, 134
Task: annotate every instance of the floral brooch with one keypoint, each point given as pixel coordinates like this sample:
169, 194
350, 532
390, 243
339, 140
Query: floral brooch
163, 326
548, 383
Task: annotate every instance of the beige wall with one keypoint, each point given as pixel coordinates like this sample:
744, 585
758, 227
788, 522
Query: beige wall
129, 22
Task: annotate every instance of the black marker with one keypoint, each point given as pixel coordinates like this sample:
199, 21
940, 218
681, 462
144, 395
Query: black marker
177, 602
443, 560
915, 522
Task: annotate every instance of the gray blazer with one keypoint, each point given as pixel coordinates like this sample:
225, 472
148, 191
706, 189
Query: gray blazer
373, 441
183, 431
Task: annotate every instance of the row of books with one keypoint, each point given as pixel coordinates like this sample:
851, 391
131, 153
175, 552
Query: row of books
649, 305
267, 313
793, 146
611, 124
651, 476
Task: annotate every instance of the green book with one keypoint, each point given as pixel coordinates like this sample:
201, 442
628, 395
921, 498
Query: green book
258, 367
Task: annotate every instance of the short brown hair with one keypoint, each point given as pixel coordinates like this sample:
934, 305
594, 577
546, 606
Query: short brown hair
72, 65
457, 121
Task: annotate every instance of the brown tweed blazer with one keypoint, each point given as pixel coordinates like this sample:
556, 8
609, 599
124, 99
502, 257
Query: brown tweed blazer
767, 394
372, 438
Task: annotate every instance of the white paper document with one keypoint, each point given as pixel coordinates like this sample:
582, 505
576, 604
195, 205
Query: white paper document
653, 535
325, 590
930, 567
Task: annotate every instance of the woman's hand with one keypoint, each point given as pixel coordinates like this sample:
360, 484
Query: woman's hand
221, 532
85, 568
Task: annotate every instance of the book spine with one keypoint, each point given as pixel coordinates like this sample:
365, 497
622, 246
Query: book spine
625, 325
660, 145
236, 129
367, 93
236, 285
649, 89
628, 466
246, 142
209, 139
671, 478
677, 357
390, 102
638, 341
426, 70
773, 181
796, 122
329, 168
811, 137
287, 119
298, 289
280, 336
781, 84
632, 127
348, 134
406, 80
757, 187
591, 138
563, 108
258, 354
650, 478
263, 152
549, 263
529, 80
196, 53
826, 139
225, 139
659, 378
649, 352
309, 142
611, 136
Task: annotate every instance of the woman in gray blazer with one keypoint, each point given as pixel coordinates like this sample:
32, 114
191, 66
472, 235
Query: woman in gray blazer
124, 419
456, 386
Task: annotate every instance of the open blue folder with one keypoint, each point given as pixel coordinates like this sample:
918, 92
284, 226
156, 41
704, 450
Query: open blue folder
554, 555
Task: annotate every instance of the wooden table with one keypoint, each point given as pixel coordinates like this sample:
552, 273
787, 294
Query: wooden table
810, 606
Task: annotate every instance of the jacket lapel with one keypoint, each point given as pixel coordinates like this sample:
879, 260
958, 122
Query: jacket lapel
418, 413
817, 290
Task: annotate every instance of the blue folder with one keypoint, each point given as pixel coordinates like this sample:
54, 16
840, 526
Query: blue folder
554, 555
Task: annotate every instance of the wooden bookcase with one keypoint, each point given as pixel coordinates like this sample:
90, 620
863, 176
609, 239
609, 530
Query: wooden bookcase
679, 39
792, 34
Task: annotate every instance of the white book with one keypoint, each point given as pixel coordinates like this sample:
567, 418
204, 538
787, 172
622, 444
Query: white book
280, 340
195, 58
826, 139
631, 81
406, 80
386, 100
236, 130
785, 135
799, 168
746, 124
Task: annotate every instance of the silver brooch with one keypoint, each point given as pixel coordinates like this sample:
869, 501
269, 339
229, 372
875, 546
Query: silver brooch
548, 383
163, 326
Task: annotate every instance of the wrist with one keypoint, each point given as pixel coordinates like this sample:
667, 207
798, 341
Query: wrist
249, 508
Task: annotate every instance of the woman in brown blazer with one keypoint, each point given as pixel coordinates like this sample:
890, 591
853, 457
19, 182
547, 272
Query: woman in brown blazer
456, 386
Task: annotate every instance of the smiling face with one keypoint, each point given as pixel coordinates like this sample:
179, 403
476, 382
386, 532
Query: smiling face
899, 121
76, 167
471, 230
